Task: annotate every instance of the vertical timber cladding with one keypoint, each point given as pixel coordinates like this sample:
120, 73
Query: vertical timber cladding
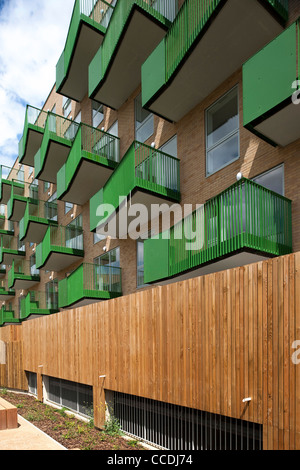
12, 373
206, 343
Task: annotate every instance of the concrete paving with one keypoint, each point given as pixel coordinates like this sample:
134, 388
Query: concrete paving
27, 437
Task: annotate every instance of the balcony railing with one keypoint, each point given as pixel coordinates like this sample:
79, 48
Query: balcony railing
35, 120
96, 13
65, 240
91, 145
90, 281
7, 316
5, 291
162, 10
10, 248
57, 129
38, 303
38, 212
245, 216
22, 270
20, 195
142, 167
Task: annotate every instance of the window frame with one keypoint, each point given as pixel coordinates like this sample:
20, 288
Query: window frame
224, 139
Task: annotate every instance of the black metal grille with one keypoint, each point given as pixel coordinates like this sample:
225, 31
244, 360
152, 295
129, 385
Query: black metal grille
178, 428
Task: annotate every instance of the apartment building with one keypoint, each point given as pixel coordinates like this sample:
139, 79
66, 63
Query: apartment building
188, 106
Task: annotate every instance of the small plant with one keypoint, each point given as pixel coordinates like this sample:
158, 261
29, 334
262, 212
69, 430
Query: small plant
112, 426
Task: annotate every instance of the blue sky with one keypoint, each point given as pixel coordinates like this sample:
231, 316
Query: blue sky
32, 38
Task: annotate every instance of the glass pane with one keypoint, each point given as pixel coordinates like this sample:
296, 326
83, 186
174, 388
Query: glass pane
223, 154
144, 121
170, 147
222, 118
273, 180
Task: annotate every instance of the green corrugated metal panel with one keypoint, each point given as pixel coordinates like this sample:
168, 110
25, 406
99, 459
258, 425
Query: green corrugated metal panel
89, 144
160, 10
268, 76
154, 72
246, 215
156, 258
91, 12
141, 167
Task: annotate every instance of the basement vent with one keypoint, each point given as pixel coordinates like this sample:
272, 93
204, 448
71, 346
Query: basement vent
74, 396
175, 427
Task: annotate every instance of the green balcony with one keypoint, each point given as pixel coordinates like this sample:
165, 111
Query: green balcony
88, 284
7, 317
11, 249
144, 176
5, 292
88, 25
244, 224
270, 78
37, 218
19, 198
37, 304
198, 53
22, 275
8, 177
92, 160
58, 137
32, 135
60, 248
135, 29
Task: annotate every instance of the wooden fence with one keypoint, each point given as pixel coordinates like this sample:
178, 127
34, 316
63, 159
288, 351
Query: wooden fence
205, 343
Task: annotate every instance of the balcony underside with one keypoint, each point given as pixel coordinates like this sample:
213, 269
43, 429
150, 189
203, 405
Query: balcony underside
96, 298
6, 190
33, 142
119, 222
281, 126
6, 296
237, 31
57, 261
25, 283
10, 255
18, 209
140, 36
75, 83
37, 313
242, 258
89, 178
36, 231
56, 156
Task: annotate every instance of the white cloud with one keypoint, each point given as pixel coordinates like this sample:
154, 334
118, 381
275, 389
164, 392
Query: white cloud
32, 38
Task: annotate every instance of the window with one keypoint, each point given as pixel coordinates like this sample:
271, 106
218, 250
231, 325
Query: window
170, 147
74, 234
222, 132
272, 179
68, 206
32, 383
111, 258
52, 295
33, 269
51, 208
46, 186
140, 264
144, 121
67, 106
97, 113
98, 238
107, 271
